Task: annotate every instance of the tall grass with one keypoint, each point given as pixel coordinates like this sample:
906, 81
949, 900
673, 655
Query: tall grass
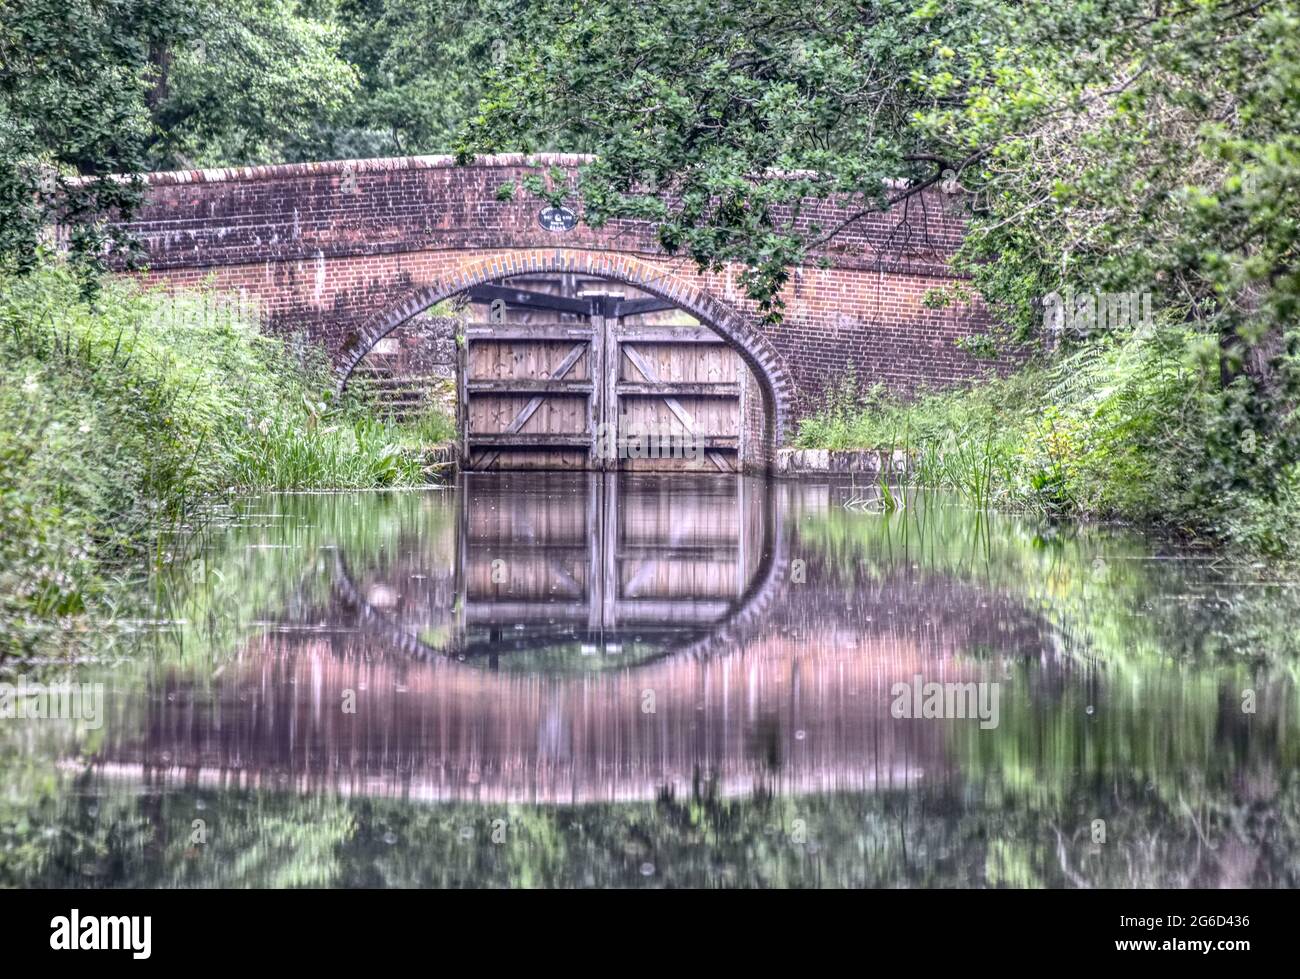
954, 440
1124, 428
117, 418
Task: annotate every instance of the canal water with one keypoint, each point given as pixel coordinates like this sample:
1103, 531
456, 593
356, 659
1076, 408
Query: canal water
641, 681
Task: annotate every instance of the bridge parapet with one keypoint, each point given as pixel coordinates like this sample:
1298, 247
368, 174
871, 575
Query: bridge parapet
293, 211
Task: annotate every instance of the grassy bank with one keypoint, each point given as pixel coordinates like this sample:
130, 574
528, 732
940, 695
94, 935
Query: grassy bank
118, 419
1134, 428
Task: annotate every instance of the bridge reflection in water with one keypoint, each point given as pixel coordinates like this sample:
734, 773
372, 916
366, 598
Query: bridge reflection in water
581, 638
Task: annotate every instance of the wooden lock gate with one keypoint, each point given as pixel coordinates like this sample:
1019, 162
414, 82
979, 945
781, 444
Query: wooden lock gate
597, 381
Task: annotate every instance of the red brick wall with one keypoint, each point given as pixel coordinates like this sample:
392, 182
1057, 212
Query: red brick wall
329, 249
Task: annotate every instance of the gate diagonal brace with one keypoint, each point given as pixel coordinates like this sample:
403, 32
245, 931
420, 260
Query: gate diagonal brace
528, 410
673, 404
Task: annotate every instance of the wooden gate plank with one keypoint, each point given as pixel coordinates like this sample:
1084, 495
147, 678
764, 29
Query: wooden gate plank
673, 404
528, 410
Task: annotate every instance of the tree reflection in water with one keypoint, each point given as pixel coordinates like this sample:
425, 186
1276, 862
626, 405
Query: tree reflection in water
630, 681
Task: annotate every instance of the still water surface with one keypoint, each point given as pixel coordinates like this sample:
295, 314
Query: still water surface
552, 680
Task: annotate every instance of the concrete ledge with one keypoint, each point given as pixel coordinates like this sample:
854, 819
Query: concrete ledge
872, 462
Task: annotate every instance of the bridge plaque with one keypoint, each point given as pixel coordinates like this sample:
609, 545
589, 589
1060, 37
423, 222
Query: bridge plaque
557, 219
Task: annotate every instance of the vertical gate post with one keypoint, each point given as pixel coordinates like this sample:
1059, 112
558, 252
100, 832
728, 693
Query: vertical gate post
596, 403
604, 389
462, 391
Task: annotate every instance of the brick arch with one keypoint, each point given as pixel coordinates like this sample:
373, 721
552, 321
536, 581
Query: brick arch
736, 327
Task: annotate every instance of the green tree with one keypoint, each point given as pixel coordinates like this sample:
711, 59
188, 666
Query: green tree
717, 119
422, 67
1130, 145
257, 81
90, 89
73, 76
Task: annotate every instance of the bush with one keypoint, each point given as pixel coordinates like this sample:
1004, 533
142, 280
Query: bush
119, 417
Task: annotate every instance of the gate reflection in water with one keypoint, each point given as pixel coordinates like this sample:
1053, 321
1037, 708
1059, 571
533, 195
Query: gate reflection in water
608, 637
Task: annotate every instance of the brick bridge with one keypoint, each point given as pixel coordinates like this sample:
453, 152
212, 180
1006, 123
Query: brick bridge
346, 252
